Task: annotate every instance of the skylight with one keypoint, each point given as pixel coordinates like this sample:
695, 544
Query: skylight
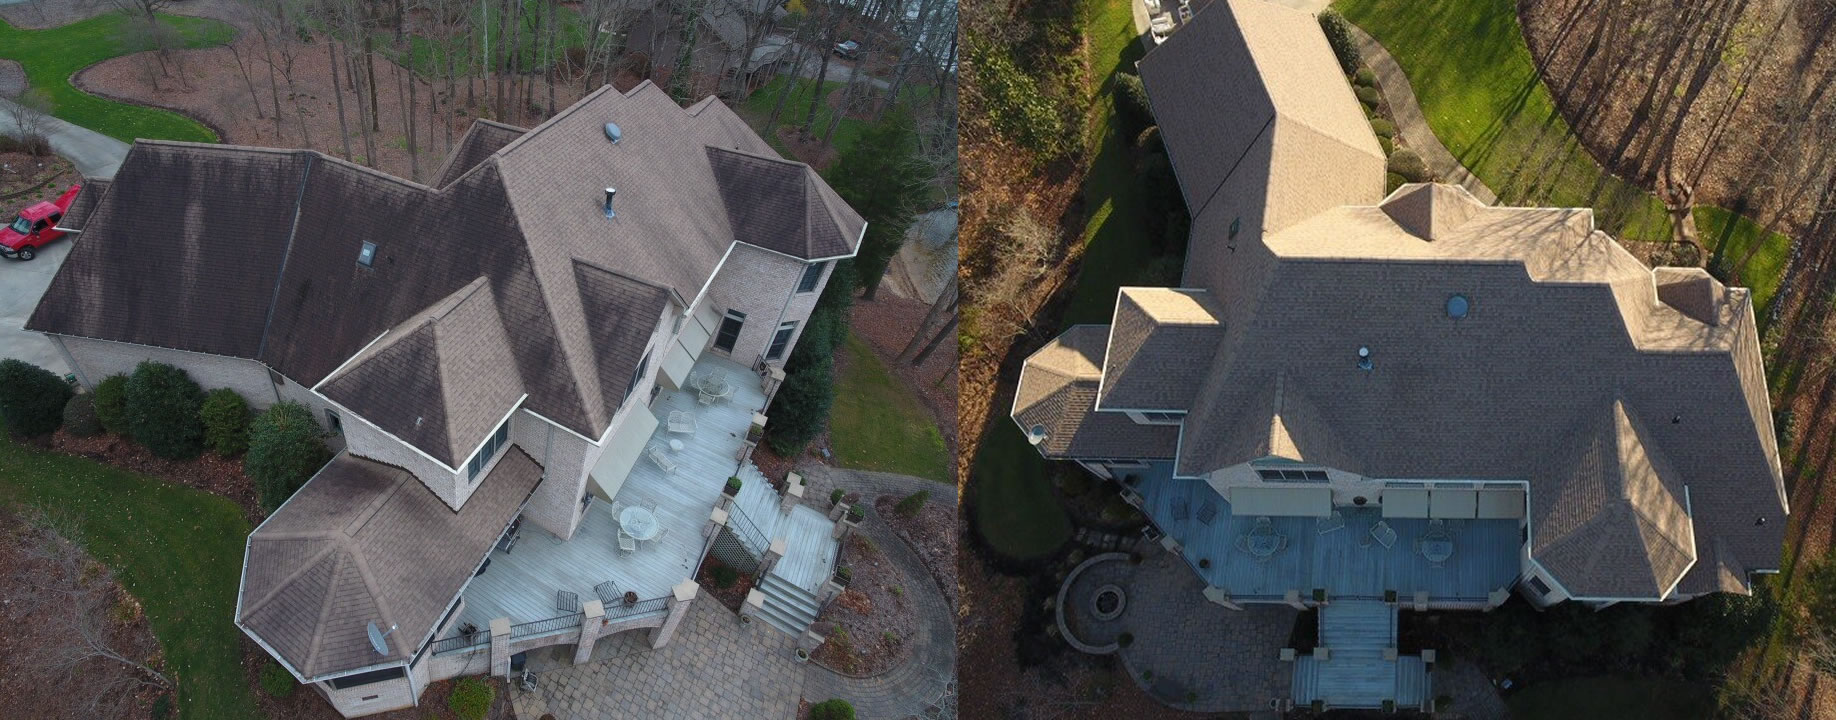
367, 255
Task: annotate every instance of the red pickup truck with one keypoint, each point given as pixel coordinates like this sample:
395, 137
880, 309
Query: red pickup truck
35, 226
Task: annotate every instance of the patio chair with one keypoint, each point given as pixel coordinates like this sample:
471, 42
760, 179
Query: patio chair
682, 422
617, 507
1332, 522
1180, 508
626, 544
1265, 524
1384, 534
566, 601
1207, 511
607, 592
661, 458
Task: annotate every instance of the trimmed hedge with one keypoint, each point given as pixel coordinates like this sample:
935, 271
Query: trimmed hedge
801, 409
31, 398
1364, 77
1383, 128
832, 709
724, 576
1406, 163
1132, 104
111, 403
1338, 35
1391, 181
226, 422
912, 503
80, 417
1388, 145
1367, 95
471, 698
1149, 141
162, 410
285, 449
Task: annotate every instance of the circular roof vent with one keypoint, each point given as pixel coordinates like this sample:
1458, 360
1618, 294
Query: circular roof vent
1036, 434
613, 133
1457, 306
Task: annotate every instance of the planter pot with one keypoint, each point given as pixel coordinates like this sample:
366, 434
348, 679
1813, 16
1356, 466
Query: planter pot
630, 599
802, 655
729, 491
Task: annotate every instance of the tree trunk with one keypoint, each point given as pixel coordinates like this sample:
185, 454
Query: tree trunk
273, 86
369, 67
854, 81
255, 99
822, 75
363, 113
946, 301
947, 330
790, 83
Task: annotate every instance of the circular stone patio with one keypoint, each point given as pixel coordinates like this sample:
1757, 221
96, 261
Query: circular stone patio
1184, 647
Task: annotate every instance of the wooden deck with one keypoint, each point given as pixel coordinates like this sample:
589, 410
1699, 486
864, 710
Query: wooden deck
1347, 562
522, 583
809, 556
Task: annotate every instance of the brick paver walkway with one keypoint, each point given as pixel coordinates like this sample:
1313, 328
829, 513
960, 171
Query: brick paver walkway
924, 685
713, 668
1231, 659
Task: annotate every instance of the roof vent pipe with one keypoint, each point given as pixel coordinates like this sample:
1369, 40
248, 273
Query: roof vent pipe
1364, 358
609, 193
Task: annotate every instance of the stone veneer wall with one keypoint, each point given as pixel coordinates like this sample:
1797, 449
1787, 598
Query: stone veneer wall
763, 285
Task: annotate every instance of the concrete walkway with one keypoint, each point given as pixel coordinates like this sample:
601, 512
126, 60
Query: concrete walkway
924, 685
1407, 114
95, 154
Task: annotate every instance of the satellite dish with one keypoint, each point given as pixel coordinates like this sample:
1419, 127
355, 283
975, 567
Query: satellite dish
377, 641
1036, 434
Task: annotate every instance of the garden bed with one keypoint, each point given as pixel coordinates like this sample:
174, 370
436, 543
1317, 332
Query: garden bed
932, 532
732, 596
27, 179
874, 621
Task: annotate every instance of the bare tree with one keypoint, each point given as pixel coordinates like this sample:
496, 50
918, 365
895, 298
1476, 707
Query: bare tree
946, 300
30, 110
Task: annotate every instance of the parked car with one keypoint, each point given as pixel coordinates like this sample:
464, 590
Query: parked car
847, 49
35, 226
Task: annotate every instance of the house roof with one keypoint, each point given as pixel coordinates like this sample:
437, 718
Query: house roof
483, 139
269, 271
365, 542
1613, 389
1058, 392
1151, 336
84, 203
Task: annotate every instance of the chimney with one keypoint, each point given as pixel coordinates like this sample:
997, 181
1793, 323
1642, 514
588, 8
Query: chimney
609, 193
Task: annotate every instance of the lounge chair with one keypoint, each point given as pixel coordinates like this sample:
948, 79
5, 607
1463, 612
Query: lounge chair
1207, 511
661, 457
566, 601
1384, 534
1330, 523
1180, 508
607, 592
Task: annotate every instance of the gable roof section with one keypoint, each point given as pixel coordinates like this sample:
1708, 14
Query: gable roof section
1618, 525
362, 542
480, 141
1151, 337
83, 204
626, 312
1057, 390
442, 380
268, 271
777, 204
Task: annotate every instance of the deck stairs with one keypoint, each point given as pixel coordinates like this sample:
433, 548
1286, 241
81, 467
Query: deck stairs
1356, 673
792, 584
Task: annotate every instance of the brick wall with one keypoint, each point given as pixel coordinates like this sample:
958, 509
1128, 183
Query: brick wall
763, 285
369, 699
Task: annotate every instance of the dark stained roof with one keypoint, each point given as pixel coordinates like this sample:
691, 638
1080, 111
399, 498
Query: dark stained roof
1059, 391
481, 141
83, 204
364, 541
626, 312
775, 204
254, 252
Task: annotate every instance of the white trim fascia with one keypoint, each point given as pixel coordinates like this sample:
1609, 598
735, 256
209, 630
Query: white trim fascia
392, 436
494, 426
1109, 339
403, 664
347, 361
705, 284
551, 421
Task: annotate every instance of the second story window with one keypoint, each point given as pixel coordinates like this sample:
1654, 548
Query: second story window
812, 274
483, 457
781, 340
643, 367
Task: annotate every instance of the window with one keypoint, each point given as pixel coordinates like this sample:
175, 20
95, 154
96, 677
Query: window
55, 217
367, 255
1156, 418
812, 274
1292, 475
22, 225
275, 376
483, 457
642, 368
37, 226
781, 340
729, 331
332, 421
373, 676
1538, 586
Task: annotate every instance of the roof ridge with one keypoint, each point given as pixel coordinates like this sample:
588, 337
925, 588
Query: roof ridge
565, 113
304, 567
761, 156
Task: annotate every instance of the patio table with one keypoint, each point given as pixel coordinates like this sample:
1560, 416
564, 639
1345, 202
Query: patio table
1437, 549
1263, 546
638, 522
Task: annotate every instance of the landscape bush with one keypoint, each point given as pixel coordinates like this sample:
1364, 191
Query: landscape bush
111, 403
1149, 141
162, 410
912, 503
1391, 181
285, 449
276, 681
1132, 104
471, 698
801, 409
832, 709
31, 398
1388, 145
1338, 35
724, 576
80, 416
1406, 163
226, 422
1364, 77
1368, 96
1383, 128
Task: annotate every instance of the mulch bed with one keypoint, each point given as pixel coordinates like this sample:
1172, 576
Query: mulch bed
26, 179
732, 597
931, 532
35, 633
873, 618
306, 703
886, 323
208, 472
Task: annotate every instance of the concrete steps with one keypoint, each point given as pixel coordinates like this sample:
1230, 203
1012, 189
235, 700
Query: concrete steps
787, 608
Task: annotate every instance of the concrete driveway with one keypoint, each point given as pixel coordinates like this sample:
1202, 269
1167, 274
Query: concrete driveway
23, 282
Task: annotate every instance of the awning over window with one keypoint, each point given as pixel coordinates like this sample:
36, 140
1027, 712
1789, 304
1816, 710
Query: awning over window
1501, 504
623, 450
1405, 503
1281, 501
1452, 503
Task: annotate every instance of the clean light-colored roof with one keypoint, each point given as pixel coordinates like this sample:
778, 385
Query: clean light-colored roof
1058, 392
365, 542
1152, 336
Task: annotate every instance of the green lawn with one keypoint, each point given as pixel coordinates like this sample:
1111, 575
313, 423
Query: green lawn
50, 57
878, 425
1622, 698
759, 104
1014, 505
179, 551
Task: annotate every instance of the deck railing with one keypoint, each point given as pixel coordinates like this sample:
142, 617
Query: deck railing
747, 532
620, 611
545, 627
466, 641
